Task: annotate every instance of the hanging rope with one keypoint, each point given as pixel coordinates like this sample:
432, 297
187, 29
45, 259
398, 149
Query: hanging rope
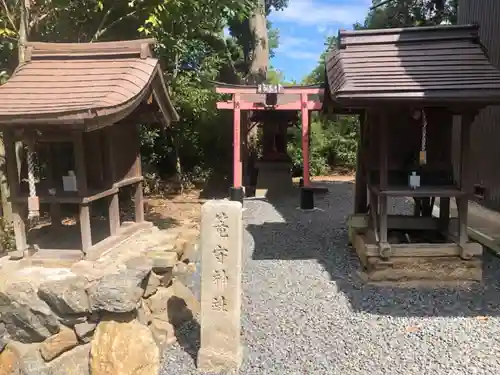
423, 153
33, 202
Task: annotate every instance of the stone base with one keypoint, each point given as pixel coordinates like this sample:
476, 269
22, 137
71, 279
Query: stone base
211, 361
425, 263
274, 179
49, 316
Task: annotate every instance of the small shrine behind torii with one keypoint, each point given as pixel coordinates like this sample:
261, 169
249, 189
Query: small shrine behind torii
275, 108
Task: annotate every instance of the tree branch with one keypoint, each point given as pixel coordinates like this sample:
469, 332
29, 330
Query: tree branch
98, 32
37, 20
9, 16
101, 31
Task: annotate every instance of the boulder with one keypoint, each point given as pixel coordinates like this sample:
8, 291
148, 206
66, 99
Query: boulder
26, 317
163, 333
158, 302
166, 278
9, 359
55, 345
190, 253
162, 261
123, 348
139, 263
84, 331
180, 269
153, 282
31, 363
175, 304
119, 292
144, 315
66, 296
3, 334
73, 362
183, 292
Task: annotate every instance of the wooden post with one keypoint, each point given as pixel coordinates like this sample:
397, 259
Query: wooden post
465, 186
139, 203
85, 228
81, 182
237, 166
360, 187
114, 214
80, 167
383, 183
109, 156
55, 208
444, 214
305, 139
13, 181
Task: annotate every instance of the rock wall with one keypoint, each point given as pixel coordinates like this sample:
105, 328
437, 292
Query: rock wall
113, 315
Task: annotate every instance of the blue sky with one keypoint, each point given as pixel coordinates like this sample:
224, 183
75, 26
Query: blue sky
304, 26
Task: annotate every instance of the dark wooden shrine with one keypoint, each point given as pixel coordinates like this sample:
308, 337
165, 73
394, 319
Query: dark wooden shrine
415, 87
76, 109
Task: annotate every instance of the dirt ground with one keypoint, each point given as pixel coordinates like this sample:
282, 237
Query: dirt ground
176, 210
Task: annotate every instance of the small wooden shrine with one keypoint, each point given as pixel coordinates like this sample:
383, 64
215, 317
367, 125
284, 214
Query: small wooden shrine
76, 111
410, 87
275, 108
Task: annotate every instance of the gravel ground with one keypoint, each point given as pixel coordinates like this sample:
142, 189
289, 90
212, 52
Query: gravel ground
306, 312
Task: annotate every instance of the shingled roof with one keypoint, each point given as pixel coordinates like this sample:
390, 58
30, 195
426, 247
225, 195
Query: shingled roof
432, 64
83, 84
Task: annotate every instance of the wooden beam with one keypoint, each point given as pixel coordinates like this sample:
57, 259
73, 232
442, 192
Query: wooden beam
294, 106
253, 90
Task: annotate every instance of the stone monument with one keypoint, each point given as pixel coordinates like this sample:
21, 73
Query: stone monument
221, 253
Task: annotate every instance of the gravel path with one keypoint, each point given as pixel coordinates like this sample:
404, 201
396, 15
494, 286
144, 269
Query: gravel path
306, 312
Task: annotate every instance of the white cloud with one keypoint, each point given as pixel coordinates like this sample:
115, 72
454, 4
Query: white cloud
303, 55
322, 29
297, 49
226, 31
323, 12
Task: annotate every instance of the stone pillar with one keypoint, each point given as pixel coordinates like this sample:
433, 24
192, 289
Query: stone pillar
221, 252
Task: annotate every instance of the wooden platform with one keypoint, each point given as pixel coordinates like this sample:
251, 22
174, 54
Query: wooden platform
64, 248
418, 262
483, 224
439, 262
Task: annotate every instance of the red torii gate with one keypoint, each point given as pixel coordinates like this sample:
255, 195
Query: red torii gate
276, 98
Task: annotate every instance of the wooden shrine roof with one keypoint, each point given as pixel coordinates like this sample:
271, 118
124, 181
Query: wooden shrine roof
436, 64
83, 84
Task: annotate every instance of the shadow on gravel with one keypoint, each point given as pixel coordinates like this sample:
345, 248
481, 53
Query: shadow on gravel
322, 235
188, 337
186, 328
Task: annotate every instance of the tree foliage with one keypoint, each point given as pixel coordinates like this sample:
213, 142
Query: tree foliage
194, 51
191, 44
333, 141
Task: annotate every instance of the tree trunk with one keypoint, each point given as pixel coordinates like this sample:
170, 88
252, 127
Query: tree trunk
4, 185
257, 74
260, 43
